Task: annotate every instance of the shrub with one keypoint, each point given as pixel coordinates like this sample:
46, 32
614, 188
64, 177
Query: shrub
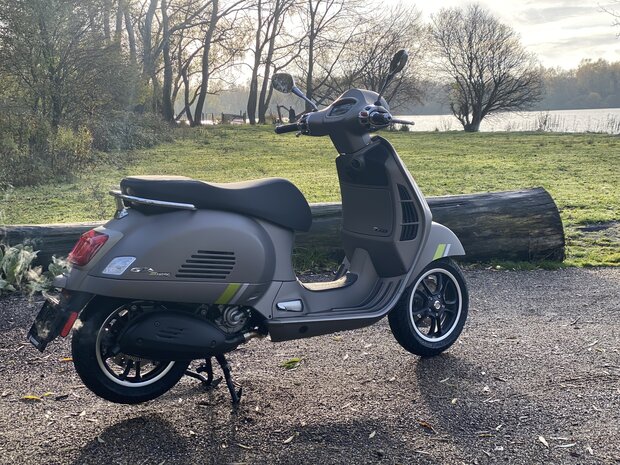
14, 267
32, 152
17, 273
122, 130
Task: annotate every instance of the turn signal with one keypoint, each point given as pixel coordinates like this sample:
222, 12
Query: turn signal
89, 244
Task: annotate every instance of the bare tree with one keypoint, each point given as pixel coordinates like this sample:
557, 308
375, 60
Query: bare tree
365, 66
330, 29
269, 18
220, 46
488, 68
614, 12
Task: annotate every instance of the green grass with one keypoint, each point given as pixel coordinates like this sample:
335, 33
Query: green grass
581, 171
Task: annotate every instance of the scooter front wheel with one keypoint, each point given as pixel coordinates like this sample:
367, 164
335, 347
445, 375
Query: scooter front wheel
115, 376
431, 314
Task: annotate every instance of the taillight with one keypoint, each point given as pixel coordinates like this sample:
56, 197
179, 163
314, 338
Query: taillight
89, 244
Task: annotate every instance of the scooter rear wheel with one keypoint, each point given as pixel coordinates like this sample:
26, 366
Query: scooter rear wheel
431, 314
117, 377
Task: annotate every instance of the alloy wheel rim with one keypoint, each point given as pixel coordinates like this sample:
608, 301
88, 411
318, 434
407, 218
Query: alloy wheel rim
435, 305
125, 370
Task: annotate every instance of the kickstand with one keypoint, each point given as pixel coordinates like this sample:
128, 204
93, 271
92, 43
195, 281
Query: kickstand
234, 394
208, 382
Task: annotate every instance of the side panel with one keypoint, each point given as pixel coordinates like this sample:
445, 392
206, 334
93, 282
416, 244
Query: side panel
204, 256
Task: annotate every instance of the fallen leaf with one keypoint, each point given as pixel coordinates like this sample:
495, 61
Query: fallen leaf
82, 413
66, 359
453, 401
346, 356
337, 338
427, 425
29, 398
372, 435
243, 446
291, 363
544, 441
100, 440
47, 394
192, 433
288, 440
486, 389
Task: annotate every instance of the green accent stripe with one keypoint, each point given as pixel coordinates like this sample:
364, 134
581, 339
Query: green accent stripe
228, 293
441, 248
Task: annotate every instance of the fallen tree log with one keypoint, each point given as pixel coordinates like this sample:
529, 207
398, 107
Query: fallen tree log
515, 225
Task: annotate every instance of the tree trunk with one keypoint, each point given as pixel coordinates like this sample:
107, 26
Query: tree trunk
205, 64
263, 101
167, 103
258, 51
118, 26
107, 11
131, 36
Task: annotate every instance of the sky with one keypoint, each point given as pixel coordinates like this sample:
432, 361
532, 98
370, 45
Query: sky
560, 32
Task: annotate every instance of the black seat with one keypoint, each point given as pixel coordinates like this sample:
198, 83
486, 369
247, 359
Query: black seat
274, 199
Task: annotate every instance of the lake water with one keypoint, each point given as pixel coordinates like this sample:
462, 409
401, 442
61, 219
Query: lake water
604, 120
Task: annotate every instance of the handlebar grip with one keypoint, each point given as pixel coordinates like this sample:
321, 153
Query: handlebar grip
284, 128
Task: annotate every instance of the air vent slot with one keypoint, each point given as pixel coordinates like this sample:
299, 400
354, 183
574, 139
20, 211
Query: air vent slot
209, 265
410, 221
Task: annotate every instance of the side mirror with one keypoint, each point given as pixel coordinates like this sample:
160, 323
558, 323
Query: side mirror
283, 82
399, 60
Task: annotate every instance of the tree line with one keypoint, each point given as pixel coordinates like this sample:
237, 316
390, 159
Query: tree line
104, 74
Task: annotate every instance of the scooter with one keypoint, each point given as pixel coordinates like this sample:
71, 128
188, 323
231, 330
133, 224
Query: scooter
190, 270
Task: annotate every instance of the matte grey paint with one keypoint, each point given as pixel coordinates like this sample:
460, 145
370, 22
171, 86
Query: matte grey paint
384, 264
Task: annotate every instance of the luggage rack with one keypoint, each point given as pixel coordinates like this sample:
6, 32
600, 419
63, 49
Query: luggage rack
121, 208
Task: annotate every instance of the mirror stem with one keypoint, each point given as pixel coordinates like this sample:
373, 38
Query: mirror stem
302, 96
386, 83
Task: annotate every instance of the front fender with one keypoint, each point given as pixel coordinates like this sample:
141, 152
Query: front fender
442, 242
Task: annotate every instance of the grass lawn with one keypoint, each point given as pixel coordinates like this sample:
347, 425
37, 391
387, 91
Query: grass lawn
581, 171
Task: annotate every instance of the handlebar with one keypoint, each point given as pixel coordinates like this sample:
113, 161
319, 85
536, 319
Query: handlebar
284, 128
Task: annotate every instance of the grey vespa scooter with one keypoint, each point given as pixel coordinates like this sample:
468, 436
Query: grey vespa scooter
190, 270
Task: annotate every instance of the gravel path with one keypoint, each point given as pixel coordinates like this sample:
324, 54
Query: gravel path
534, 378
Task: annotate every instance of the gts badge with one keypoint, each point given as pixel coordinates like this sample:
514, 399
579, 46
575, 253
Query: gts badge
150, 272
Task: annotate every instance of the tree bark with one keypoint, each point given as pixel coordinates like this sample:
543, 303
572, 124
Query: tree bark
202, 95
131, 35
167, 103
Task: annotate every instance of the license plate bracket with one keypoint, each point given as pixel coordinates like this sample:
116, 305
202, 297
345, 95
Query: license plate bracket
48, 324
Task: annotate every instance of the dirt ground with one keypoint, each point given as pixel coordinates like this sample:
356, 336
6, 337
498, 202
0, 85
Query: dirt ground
534, 378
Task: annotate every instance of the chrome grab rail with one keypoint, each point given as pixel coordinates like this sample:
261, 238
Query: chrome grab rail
155, 203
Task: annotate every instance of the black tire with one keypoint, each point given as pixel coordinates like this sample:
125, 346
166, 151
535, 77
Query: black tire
95, 369
437, 299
